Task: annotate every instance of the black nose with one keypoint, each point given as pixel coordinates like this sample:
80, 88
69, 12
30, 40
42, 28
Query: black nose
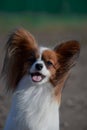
39, 66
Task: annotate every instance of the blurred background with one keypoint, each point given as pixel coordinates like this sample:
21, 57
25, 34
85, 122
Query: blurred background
51, 21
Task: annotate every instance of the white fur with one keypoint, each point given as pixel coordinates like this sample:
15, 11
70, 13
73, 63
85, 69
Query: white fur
33, 108
42, 49
33, 104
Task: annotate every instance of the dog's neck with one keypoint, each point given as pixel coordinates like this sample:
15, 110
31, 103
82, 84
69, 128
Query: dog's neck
33, 108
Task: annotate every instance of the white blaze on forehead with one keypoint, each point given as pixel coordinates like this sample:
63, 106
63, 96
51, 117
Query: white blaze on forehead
41, 50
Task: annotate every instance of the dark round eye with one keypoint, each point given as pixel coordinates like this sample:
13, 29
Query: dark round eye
49, 63
31, 59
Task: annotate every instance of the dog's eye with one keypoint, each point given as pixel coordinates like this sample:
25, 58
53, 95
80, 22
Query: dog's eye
31, 59
49, 63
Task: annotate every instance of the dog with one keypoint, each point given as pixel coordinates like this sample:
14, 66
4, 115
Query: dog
36, 77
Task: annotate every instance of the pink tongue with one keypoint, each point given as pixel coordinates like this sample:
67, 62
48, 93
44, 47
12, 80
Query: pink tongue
37, 78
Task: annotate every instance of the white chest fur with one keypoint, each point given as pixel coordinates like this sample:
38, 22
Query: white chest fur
33, 108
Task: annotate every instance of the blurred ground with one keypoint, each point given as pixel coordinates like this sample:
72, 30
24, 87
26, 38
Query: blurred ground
73, 110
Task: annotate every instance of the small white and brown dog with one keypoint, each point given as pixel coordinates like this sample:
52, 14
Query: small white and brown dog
36, 76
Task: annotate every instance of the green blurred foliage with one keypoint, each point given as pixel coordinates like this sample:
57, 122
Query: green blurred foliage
45, 6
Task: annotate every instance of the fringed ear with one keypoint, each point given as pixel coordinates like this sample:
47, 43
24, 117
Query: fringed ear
19, 46
20, 39
68, 54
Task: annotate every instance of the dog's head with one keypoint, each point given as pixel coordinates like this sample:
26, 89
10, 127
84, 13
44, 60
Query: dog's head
25, 57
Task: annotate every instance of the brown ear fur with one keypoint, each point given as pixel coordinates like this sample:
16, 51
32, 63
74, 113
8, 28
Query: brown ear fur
67, 53
19, 46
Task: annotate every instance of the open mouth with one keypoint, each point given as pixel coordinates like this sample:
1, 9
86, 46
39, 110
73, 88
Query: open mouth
37, 77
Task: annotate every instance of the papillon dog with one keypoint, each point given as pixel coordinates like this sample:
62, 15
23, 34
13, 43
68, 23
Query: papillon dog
36, 76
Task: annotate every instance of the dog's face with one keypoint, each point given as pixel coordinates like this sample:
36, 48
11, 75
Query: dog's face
24, 57
43, 66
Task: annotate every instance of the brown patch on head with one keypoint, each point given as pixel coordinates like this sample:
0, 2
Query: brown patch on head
21, 52
50, 59
67, 54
